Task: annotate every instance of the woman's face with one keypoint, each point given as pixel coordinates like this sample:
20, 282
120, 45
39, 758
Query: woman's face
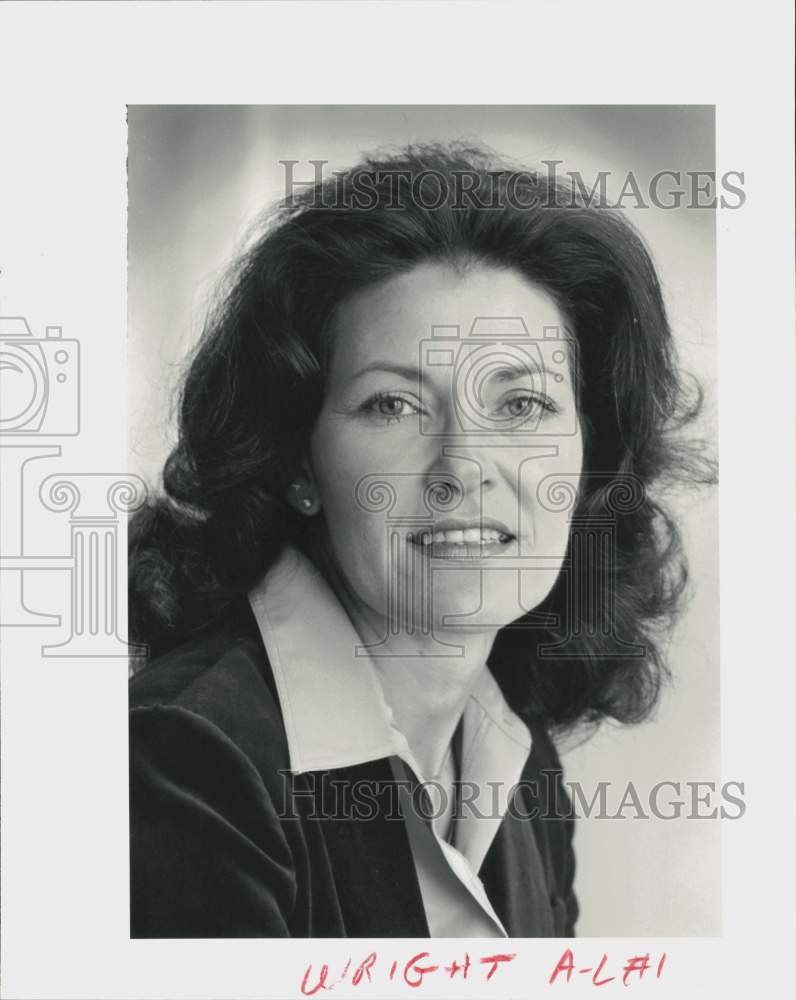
443, 414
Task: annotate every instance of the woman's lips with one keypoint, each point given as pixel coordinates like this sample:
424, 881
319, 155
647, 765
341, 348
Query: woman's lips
465, 536
462, 540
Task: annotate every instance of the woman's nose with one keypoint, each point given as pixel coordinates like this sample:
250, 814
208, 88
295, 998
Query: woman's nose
465, 462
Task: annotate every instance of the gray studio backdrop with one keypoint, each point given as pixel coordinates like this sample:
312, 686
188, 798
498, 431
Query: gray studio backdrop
198, 177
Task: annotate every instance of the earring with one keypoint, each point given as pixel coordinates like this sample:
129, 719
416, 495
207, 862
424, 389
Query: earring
306, 502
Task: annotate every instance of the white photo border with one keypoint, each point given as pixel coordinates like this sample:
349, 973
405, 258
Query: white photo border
74, 68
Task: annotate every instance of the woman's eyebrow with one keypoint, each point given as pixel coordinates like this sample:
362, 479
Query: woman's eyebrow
508, 372
409, 372
504, 373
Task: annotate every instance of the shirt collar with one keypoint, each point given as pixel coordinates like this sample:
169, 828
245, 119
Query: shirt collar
332, 703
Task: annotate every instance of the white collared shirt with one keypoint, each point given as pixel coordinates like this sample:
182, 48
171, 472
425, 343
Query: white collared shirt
335, 716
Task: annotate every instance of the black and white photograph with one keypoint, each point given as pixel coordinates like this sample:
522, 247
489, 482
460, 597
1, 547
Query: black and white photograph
431, 458
396, 500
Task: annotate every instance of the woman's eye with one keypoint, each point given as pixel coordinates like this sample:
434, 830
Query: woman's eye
390, 406
526, 404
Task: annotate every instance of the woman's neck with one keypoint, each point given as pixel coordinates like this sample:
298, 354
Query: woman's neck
427, 696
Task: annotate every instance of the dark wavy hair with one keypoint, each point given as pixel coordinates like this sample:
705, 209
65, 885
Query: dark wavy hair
254, 386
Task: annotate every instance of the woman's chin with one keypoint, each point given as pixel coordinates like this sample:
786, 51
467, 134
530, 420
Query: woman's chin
463, 603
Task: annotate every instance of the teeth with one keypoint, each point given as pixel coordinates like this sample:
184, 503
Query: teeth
470, 536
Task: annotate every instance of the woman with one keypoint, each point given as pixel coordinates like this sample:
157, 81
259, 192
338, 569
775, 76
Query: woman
407, 533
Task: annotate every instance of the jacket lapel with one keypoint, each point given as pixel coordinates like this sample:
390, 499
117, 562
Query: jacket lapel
369, 852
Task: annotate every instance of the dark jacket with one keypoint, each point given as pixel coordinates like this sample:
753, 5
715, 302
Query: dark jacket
224, 842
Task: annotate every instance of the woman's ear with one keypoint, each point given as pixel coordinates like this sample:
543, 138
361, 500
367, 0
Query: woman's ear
302, 493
